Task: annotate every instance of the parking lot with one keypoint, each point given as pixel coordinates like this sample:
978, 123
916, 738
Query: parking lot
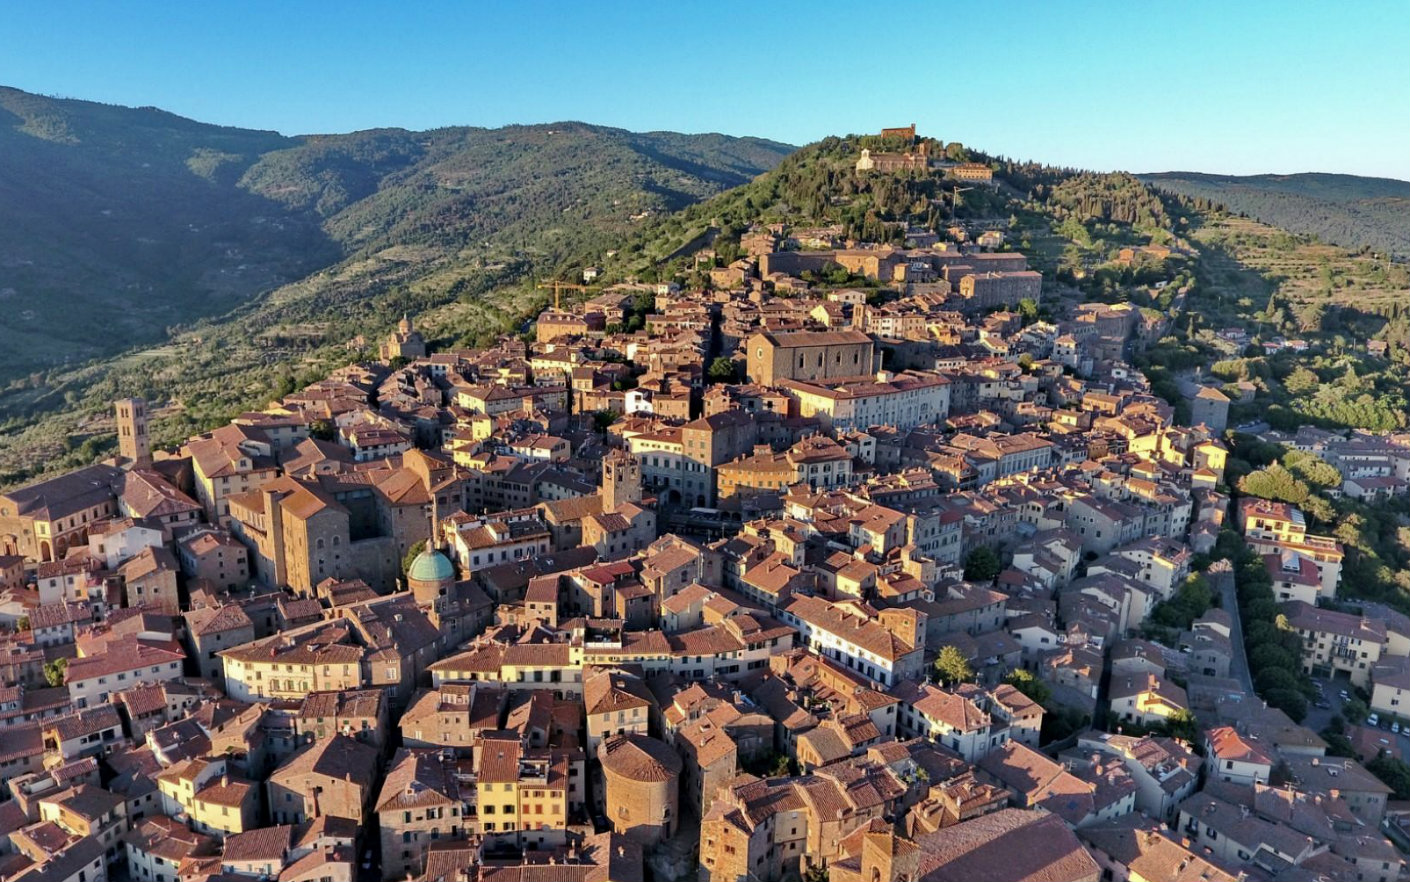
1334, 694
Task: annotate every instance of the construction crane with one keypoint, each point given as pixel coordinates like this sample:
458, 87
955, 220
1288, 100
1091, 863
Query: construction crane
558, 289
955, 196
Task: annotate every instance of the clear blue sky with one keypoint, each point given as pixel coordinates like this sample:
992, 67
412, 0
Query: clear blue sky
1237, 86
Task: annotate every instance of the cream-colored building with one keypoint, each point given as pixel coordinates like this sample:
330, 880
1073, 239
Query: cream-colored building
1146, 699
231, 460
291, 665
904, 400
1336, 642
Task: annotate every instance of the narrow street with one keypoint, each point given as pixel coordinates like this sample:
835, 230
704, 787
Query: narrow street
1223, 581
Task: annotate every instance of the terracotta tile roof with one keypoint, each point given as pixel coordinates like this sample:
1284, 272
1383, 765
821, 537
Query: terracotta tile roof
168, 839
1010, 844
148, 494
499, 760
213, 620
230, 792
319, 864
955, 711
324, 643
486, 658
265, 843
418, 778
1040, 781
343, 703
143, 699
639, 758
339, 757
87, 721
65, 494
606, 691
53, 615
1148, 850
867, 633
1226, 743
127, 654
208, 541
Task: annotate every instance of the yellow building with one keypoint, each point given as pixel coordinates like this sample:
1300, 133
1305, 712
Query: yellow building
217, 802
521, 793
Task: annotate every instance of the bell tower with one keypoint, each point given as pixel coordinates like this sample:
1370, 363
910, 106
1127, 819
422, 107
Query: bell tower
621, 480
134, 445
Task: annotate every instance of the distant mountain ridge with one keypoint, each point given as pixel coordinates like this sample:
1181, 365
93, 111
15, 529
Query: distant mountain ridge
118, 224
1345, 210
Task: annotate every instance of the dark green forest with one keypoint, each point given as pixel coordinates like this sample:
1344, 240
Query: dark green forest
1345, 210
120, 227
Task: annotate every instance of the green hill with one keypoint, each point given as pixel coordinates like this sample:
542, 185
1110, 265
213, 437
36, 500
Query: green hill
118, 225
455, 225
1345, 210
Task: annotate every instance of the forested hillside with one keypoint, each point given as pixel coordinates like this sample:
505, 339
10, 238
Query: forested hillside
209, 267
1345, 210
119, 224
454, 226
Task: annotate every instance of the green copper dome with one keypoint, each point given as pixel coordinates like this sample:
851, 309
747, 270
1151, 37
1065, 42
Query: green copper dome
431, 566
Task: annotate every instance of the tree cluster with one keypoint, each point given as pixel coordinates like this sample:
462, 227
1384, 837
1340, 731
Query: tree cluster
1274, 649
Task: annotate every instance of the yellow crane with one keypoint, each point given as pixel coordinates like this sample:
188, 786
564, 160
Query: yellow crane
558, 289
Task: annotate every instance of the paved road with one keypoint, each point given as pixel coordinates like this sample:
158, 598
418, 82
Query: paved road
1229, 601
1317, 717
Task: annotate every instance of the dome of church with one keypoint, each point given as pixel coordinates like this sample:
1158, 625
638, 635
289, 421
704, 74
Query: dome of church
431, 566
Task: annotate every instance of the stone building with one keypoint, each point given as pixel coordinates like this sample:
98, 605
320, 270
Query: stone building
299, 535
1006, 289
332, 776
43, 520
214, 556
917, 160
643, 787
420, 803
404, 343
1210, 407
621, 480
809, 355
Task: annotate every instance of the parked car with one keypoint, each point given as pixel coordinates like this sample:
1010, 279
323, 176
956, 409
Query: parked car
1395, 727
1324, 704
1373, 720
1344, 695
